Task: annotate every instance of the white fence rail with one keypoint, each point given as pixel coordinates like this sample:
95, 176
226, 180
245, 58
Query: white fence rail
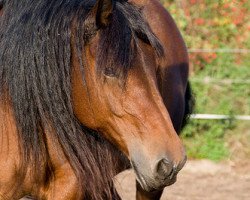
240, 51
217, 117
207, 80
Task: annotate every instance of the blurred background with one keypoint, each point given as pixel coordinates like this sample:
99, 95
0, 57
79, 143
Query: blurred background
217, 34
217, 138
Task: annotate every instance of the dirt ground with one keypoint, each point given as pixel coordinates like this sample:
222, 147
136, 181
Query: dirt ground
199, 180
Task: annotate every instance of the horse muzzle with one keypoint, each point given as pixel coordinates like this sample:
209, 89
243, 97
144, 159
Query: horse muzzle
163, 173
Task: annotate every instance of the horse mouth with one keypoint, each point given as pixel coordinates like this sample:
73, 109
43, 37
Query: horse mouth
153, 184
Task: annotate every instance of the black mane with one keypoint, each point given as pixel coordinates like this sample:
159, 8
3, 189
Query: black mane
35, 69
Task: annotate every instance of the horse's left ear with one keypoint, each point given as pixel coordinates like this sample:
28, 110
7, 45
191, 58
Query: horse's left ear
104, 9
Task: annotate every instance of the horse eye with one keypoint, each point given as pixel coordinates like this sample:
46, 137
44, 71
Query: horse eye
109, 71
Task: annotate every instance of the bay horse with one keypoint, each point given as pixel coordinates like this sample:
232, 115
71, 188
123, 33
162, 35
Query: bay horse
87, 89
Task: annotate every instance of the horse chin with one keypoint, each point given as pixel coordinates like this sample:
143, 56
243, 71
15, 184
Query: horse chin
150, 184
153, 186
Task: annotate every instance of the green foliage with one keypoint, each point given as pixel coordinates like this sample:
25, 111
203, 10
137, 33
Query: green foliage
209, 24
205, 139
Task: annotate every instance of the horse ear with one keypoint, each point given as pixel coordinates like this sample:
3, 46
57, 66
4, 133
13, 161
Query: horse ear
1, 3
104, 9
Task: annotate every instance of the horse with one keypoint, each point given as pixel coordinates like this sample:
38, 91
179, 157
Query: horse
87, 89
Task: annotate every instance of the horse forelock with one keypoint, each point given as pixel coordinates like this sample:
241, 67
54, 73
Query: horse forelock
35, 63
119, 41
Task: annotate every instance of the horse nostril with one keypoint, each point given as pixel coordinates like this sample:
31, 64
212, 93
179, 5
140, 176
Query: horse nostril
164, 168
181, 164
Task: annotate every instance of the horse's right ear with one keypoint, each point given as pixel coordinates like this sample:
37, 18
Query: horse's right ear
103, 10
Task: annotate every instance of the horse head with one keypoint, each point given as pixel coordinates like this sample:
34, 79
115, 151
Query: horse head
119, 96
